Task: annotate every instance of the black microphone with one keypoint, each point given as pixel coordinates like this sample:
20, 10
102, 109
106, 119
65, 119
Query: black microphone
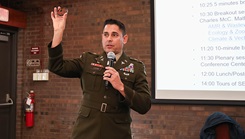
111, 58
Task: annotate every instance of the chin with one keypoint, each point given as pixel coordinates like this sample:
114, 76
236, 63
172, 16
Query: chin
109, 50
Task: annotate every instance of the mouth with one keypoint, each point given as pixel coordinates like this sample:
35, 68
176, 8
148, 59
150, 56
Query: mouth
109, 46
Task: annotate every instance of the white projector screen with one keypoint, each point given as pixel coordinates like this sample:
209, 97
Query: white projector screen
199, 50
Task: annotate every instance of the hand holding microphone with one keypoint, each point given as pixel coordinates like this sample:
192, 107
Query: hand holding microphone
111, 76
111, 58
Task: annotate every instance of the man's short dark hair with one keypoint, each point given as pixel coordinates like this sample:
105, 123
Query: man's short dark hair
115, 22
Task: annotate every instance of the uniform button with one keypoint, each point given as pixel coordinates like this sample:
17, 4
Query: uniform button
105, 97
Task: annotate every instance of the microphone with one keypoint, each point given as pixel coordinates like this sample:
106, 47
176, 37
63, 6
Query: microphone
111, 58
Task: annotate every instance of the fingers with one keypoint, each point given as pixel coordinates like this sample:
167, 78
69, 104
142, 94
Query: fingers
110, 68
113, 77
111, 74
54, 13
106, 76
65, 15
62, 11
110, 71
58, 11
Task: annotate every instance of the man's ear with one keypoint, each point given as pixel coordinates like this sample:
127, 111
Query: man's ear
125, 39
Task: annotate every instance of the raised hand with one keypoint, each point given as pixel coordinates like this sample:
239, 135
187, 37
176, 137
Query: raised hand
58, 16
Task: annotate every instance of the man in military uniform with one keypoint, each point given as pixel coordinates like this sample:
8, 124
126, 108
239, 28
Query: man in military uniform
105, 111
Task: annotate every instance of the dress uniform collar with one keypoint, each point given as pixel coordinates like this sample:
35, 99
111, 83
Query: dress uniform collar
123, 63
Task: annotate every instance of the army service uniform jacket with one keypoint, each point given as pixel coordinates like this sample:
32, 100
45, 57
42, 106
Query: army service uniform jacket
104, 112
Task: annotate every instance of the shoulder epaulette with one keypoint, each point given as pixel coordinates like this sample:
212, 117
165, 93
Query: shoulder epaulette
90, 53
136, 60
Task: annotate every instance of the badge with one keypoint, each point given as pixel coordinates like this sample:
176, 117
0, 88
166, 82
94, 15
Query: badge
96, 66
129, 68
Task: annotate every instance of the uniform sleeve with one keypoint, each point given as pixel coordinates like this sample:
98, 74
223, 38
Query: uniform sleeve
138, 97
65, 68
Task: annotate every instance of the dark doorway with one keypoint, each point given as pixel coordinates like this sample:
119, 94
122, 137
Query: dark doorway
8, 78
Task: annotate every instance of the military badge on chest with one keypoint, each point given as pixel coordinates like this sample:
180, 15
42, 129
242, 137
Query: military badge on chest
129, 68
97, 66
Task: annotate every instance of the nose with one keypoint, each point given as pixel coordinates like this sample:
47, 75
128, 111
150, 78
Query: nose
109, 38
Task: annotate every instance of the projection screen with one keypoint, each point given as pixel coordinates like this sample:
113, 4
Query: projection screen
198, 51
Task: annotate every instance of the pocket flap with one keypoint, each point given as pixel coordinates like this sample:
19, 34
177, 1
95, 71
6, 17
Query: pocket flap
84, 111
95, 70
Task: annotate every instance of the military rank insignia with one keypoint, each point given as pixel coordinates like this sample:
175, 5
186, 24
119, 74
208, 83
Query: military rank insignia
129, 68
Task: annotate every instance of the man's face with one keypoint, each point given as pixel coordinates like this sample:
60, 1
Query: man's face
113, 39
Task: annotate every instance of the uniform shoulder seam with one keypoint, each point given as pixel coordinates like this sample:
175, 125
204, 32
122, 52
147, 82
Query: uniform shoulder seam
136, 60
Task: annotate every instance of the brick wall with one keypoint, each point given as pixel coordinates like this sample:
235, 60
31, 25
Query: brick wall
57, 101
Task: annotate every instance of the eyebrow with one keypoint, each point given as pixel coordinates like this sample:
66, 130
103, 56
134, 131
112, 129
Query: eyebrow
111, 33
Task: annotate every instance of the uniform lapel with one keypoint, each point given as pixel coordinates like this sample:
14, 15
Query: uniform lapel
102, 59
